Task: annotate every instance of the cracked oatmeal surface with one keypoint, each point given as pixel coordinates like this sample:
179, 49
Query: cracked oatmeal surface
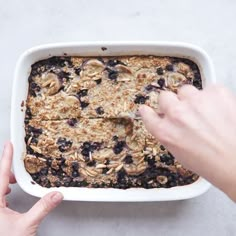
78, 126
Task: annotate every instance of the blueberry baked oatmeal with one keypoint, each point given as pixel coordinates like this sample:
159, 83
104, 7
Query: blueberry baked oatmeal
82, 126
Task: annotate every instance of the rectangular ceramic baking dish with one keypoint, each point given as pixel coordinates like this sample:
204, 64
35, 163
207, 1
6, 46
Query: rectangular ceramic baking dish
19, 94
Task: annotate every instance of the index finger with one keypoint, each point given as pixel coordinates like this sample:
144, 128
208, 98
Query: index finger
5, 171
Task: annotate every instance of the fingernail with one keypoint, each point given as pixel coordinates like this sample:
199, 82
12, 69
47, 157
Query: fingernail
57, 197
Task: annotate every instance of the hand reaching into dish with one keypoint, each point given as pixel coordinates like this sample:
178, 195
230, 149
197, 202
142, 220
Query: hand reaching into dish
199, 129
13, 223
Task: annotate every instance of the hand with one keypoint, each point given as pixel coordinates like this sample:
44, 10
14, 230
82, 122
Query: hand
13, 223
199, 129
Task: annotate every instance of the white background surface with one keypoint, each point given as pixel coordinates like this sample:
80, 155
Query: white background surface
209, 24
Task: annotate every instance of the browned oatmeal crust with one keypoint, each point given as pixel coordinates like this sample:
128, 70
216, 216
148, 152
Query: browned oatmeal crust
78, 126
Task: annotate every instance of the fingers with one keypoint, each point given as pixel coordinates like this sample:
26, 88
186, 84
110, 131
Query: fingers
151, 119
5, 171
167, 100
41, 209
186, 92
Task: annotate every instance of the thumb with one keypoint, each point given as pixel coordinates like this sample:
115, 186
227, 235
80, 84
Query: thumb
41, 209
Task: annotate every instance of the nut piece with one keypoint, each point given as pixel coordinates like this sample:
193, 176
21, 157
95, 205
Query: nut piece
52, 83
36, 149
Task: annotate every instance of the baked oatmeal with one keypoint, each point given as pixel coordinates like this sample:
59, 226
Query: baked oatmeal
82, 125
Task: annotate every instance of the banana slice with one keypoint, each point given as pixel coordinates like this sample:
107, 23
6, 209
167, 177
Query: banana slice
92, 67
33, 165
52, 83
135, 170
175, 79
124, 73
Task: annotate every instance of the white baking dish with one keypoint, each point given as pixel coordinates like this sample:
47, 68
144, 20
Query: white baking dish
19, 94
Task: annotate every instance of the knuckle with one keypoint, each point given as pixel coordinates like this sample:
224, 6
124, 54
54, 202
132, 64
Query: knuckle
176, 112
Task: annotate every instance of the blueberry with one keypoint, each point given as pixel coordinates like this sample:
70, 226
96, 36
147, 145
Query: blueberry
45, 182
34, 86
98, 81
85, 152
160, 71
121, 176
34, 130
112, 74
82, 93
118, 148
67, 180
74, 184
112, 63
75, 173
197, 84
48, 184
104, 170
28, 112
86, 145
53, 172
83, 183
168, 159
188, 180
84, 104
72, 122
62, 148
169, 67
44, 171
149, 87
62, 160
27, 136
161, 82
140, 99
107, 162
197, 80
172, 184
60, 173
91, 163
63, 74
162, 147
128, 159
75, 165
34, 140
115, 138
99, 110
57, 183
64, 144
95, 146
77, 71
35, 176
150, 160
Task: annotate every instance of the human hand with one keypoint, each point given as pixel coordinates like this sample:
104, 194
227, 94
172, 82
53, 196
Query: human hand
13, 223
199, 129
